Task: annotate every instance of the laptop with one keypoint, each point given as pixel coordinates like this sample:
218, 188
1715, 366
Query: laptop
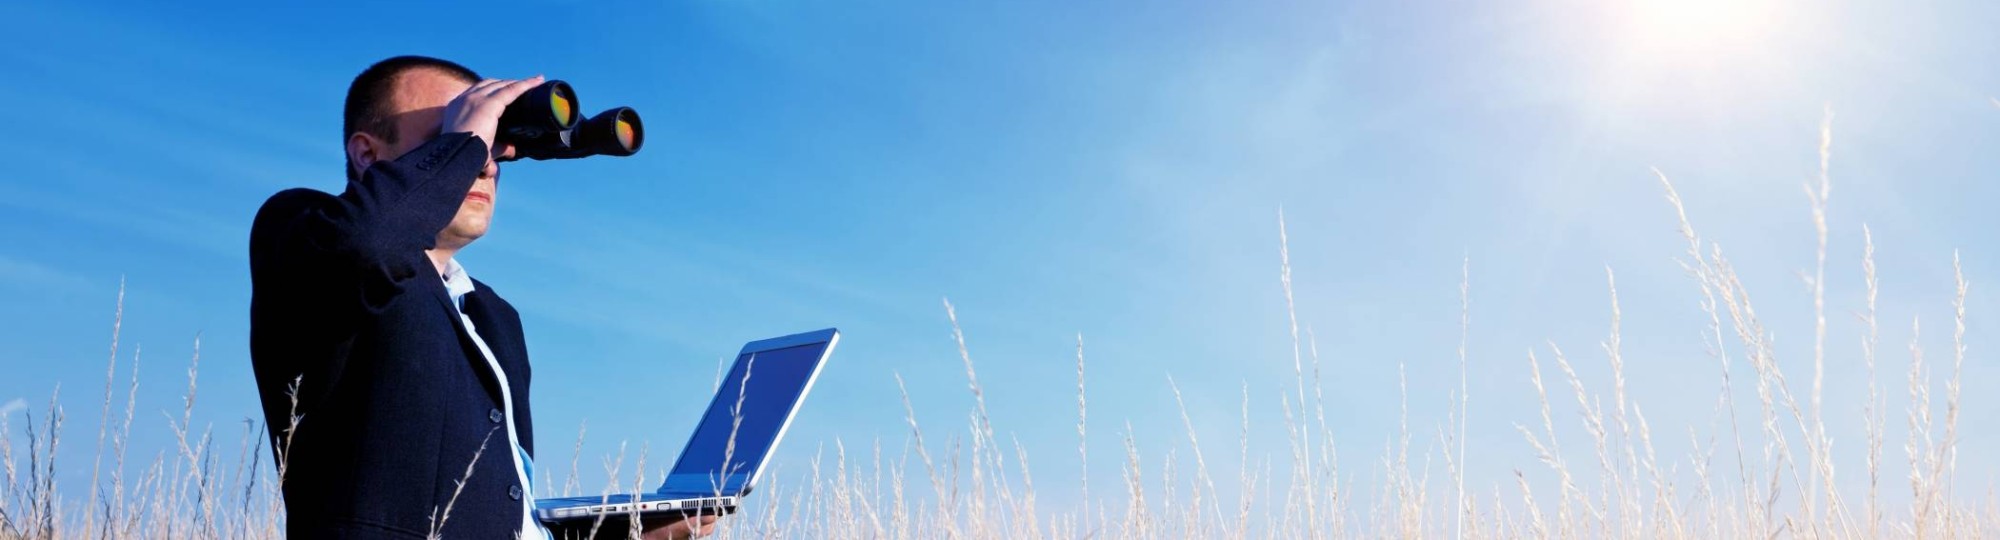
733, 442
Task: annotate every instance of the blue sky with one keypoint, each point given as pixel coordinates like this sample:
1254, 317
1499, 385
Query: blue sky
1114, 170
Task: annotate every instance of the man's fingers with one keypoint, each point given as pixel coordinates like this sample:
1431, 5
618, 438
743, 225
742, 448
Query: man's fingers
680, 528
507, 92
479, 87
677, 530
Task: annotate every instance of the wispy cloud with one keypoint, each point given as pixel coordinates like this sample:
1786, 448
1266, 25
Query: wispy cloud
30, 274
12, 407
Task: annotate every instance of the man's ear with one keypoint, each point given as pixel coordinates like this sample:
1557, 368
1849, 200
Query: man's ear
363, 150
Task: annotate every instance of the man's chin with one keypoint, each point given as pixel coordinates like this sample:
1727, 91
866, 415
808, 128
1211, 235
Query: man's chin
458, 237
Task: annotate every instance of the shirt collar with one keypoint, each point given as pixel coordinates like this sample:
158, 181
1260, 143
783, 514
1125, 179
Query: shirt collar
456, 281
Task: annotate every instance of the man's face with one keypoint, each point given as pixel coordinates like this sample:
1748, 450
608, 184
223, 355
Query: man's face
418, 109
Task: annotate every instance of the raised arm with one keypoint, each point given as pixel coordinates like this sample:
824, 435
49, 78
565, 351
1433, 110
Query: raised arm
359, 248
365, 241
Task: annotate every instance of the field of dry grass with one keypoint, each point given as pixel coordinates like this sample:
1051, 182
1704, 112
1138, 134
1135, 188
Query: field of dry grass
1780, 461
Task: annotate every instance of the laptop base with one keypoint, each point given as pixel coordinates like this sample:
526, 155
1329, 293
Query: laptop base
620, 507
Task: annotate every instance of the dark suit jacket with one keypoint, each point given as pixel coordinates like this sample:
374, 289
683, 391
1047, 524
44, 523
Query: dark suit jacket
393, 400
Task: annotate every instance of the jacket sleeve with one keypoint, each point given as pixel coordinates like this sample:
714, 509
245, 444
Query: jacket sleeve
361, 248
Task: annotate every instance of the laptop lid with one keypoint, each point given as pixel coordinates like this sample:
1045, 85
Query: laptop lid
749, 414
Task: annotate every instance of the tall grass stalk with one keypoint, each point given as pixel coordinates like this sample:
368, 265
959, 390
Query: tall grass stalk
1765, 469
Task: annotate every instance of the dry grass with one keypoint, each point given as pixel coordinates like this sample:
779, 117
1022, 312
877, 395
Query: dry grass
1777, 474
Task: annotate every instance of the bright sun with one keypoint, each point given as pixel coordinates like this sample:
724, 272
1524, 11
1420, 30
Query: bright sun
1698, 27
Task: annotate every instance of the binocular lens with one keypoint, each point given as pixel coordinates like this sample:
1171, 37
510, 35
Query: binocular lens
616, 132
542, 111
628, 134
563, 105
544, 123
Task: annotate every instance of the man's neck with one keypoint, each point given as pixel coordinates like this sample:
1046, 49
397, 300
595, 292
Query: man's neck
440, 257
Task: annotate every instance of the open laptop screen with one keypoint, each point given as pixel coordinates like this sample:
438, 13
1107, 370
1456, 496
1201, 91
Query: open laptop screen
753, 403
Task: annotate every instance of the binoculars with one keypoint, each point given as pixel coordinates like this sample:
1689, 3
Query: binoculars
544, 123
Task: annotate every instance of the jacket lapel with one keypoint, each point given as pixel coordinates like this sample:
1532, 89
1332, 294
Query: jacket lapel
475, 360
500, 331
500, 327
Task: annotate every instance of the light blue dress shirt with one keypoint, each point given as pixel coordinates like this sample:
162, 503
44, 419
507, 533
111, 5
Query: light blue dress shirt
459, 284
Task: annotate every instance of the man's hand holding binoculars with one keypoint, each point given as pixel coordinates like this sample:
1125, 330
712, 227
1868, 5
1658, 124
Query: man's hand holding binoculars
478, 111
540, 119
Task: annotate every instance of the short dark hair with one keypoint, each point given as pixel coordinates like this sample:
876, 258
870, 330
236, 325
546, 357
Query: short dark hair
368, 98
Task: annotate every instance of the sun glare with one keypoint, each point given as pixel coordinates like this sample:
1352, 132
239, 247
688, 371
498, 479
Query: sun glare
1676, 27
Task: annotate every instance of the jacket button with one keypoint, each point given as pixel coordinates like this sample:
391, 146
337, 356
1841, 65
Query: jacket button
496, 416
514, 492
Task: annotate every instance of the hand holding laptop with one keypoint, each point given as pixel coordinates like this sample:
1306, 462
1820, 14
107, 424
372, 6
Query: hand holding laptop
676, 528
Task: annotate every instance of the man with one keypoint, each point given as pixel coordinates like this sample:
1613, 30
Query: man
397, 385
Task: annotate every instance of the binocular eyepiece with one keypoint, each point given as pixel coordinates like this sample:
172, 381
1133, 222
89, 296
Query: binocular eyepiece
544, 123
